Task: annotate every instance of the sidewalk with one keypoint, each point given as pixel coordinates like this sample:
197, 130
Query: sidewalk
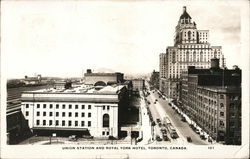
145, 122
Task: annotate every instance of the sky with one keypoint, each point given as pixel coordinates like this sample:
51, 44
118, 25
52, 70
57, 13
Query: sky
64, 38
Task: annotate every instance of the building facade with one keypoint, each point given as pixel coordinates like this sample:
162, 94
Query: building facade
212, 98
76, 110
154, 79
103, 78
191, 48
138, 84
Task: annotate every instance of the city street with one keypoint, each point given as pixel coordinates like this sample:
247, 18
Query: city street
182, 128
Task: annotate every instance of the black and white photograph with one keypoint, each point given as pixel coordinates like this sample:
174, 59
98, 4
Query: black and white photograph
125, 79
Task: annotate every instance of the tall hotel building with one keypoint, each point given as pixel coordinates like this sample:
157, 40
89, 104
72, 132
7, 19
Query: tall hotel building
191, 48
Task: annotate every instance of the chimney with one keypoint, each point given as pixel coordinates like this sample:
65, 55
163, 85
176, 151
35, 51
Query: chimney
184, 9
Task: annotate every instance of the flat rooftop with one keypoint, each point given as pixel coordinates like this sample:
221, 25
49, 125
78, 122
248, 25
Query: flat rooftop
83, 89
82, 93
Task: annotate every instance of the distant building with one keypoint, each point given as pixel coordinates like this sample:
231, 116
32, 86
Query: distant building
75, 111
212, 98
103, 78
34, 80
154, 79
138, 84
191, 48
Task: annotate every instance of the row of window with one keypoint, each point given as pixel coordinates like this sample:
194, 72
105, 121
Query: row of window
63, 114
63, 106
63, 123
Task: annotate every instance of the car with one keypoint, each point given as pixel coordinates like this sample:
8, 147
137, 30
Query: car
189, 139
163, 130
197, 131
153, 123
158, 120
160, 124
87, 136
72, 138
165, 138
158, 138
203, 137
183, 119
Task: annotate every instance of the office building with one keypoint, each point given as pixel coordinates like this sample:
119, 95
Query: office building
212, 98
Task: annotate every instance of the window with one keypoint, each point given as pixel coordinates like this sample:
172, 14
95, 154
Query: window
221, 105
50, 113
27, 113
57, 122
37, 113
105, 120
89, 123
232, 105
76, 114
89, 106
44, 105
57, 113
107, 133
37, 122
221, 113
231, 123
44, 122
221, 96
63, 106
63, 114
76, 106
89, 114
103, 107
51, 106
38, 106
76, 123
189, 35
50, 122
82, 123
83, 114
70, 114
70, 106
221, 123
27, 105
108, 107
103, 133
63, 123
57, 106
232, 115
83, 106
44, 113
69, 124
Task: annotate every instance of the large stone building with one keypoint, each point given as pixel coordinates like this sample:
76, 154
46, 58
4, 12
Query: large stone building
191, 48
81, 110
212, 98
103, 78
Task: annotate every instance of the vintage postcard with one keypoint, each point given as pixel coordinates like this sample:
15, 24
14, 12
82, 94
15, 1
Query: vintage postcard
124, 79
